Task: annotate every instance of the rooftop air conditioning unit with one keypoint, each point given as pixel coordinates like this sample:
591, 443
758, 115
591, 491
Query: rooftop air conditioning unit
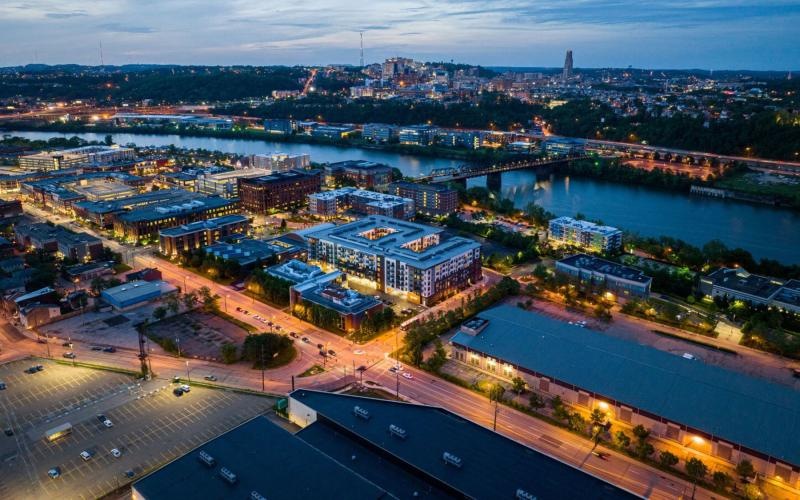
227, 475
451, 459
361, 412
397, 431
206, 458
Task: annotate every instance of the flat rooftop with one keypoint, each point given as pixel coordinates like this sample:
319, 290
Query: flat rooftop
493, 466
338, 298
150, 197
741, 281
266, 459
585, 226
732, 406
135, 289
596, 264
357, 165
295, 271
203, 225
162, 211
399, 233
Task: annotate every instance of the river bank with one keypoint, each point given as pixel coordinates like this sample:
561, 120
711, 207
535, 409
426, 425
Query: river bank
764, 230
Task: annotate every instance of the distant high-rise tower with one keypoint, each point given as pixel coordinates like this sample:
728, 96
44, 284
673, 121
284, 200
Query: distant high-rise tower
566, 74
362, 50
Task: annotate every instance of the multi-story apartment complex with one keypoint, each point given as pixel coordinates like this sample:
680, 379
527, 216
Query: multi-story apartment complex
226, 184
278, 191
380, 132
402, 256
57, 239
145, 223
361, 173
360, 201
102, 213
418, 135
585, 234
86, 155
174, 241
595, 272
431, 199
279, 162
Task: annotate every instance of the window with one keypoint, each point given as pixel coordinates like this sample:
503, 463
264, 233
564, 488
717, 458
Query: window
673, 432
625, 414
724, 451
583, 399
544, 385
783, 471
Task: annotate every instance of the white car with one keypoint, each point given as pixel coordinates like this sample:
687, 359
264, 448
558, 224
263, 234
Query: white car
86, 455
185, 388
407, 375
358, 351
116, 453
108, 423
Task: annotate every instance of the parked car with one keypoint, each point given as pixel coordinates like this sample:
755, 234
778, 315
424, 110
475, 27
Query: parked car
108, 423
2, 386
86, 455
54, 472
67, 344
8, 431
102, 418
320, 346
109, 349
305, 340
177, 391
129, 473
293, 335
210, 378
96, 348
116, 453
331, 352
185, 388
69, 355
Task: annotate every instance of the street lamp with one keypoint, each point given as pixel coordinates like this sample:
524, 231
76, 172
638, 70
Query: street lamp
178, 342
187, 372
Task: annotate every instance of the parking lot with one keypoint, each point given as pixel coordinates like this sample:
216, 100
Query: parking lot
151, 426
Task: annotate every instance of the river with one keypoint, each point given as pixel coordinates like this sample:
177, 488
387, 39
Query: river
765, 231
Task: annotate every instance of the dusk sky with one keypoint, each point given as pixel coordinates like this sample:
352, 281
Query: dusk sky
709, 34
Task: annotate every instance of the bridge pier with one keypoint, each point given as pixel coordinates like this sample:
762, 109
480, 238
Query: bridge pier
494, 181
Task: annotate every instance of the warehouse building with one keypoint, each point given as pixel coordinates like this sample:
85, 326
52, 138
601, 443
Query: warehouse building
136, 293
699, 408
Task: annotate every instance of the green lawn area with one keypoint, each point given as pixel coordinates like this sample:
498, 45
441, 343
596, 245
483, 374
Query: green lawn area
314, 370
748, 183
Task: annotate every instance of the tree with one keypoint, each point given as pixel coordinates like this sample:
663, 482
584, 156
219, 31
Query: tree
209, 301
577, 422
229, 353
518, 385
496, 392
189, 300
159, 313
745, 469
439, 357
623, 441
722, 480
264, 346
641, 432
172, 303
667, 459
536, 402
752, 492
597, 417
697, 470
643, 449
109, 140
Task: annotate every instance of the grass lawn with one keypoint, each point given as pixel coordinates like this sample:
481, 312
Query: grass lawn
314, 370
748, 184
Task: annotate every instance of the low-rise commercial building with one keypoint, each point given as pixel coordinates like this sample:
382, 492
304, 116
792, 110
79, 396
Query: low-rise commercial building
414, 259
592, 272
145, 223
280, 162
360, 173
225, 184
430, 199
88, 272
380, 132
10, 209
697, 408
102, 213
738, 284
178, 240
250, 253
278, 191
359, 201
279, 126
136, 293
585, 234
57, 239
67, 158
418, 135
333, 131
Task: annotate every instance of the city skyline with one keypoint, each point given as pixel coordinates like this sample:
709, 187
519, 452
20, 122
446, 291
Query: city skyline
719, 34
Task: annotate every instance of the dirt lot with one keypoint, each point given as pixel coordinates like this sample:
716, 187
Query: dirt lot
200, 335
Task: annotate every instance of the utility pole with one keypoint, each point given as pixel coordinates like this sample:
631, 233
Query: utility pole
262, 368
188, 378
362, 49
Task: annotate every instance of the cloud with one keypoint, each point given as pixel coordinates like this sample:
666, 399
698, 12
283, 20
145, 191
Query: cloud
124, 28
66, 15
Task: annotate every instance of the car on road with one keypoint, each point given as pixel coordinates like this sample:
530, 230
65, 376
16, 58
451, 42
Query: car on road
109, 349
96, 348
41, 341
407, 375
323, 353
278, 327
238, 309
687, 355
393, 369
69, 355
293, 335
331, 352
54, 472
185, 388
358, 351
305, 340
8, 431
67, 344
320, 346
116, 453
211, 378
86, 455
129, 473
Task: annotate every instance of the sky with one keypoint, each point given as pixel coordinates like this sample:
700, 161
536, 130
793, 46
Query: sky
707, 34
